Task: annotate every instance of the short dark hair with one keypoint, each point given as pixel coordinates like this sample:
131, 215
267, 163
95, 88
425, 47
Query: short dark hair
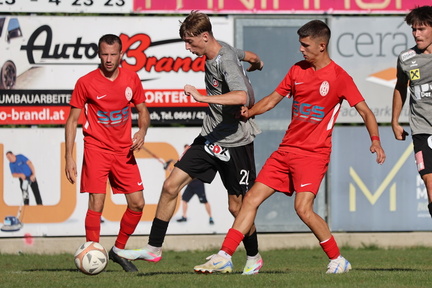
110, 39
315, 29
9, 152
195, 24
421, 15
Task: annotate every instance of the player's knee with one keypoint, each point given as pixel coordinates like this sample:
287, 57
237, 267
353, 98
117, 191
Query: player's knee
170, 189
304, 213
137, 206
251, 202
234, 210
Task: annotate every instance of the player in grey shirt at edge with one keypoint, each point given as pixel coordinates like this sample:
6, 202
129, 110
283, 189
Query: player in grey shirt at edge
225, 144
414, 69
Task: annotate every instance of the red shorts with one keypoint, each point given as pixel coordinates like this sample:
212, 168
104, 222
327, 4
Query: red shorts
288, 172
121, 170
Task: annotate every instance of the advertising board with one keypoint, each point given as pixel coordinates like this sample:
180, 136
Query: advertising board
49, 54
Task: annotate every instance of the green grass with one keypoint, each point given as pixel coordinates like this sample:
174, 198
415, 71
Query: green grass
372, 267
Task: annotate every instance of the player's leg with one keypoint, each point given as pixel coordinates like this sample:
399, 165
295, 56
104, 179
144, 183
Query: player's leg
423, 158
128, 223
304, 208
165, 210
93, 215
195, 163
244, 160
307, 176
243, 223
125, 176
94, 175
427, 179
131, 218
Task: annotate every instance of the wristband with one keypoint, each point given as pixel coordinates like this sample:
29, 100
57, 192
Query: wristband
375, 138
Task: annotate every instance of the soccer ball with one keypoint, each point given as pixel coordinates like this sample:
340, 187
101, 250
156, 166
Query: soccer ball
91, 258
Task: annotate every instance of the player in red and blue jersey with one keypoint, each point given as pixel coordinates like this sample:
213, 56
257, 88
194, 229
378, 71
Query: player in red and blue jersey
318, 86
105, 96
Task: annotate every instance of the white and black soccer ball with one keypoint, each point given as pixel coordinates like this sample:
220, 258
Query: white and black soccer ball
91, 258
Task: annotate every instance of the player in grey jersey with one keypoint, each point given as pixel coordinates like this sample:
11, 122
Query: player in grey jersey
414, 69
225, 144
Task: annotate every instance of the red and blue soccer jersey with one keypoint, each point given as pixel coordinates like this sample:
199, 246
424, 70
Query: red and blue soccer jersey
317, 98
107, 108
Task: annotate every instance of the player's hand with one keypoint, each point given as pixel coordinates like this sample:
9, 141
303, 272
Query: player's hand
190, 90
137, 141
255, 66
399, 132
380, 154
244, 113
71, 171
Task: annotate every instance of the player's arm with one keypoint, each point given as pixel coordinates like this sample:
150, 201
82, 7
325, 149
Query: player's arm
143, 124
70, 134
372, 127
254, 61
231, 98
399, 97
262, 106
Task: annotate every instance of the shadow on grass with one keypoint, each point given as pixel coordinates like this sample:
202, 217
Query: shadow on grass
387, 269
193, 273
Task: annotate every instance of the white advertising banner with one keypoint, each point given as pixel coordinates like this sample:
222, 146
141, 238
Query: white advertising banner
367, 48
63, 207
43, 57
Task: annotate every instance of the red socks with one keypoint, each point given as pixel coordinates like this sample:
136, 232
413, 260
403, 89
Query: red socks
232, 241
92, 225
331, 248
128, 224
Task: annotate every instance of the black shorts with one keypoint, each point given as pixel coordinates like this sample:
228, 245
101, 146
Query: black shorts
195, 187
423, 153
236, 165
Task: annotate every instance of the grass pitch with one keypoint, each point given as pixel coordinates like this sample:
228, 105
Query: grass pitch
372, 267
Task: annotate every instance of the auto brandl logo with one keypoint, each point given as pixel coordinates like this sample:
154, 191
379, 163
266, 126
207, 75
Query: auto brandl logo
324, 89
128, 93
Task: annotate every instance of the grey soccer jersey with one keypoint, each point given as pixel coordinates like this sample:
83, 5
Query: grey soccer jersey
417, 68
222, 125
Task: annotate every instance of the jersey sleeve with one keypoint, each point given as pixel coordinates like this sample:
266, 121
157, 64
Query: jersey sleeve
285, 86
349, 90
232, 71
138, 91
400, 73
240, 53
78, 98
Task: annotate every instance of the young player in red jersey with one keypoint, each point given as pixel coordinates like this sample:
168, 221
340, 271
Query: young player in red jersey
318, 86
105, 94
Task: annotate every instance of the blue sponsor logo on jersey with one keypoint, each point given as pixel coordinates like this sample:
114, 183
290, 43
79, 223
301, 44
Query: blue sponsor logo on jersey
308, 112
113, 118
